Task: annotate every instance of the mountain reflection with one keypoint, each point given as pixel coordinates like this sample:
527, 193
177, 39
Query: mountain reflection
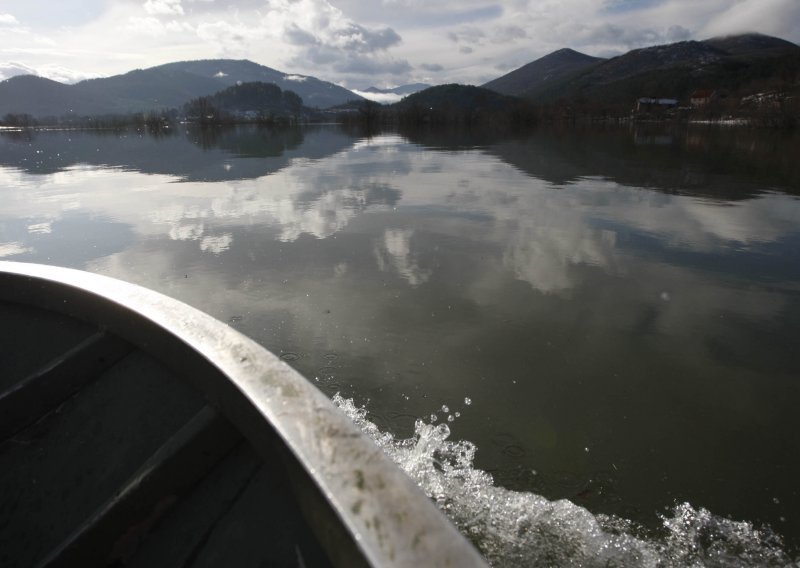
702, 161
190, 153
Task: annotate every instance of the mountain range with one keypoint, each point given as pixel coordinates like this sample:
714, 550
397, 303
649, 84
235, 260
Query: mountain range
738, 65
542, 72
741, 64
162, 87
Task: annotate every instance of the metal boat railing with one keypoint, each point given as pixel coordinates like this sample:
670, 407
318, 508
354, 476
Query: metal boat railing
362, 508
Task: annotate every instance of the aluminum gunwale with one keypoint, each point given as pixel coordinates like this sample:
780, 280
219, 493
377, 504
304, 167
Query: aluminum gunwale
362, 507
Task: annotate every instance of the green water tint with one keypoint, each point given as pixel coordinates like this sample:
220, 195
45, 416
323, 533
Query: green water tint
621, 305
515, 528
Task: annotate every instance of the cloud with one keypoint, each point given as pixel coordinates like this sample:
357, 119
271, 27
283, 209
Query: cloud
327, 38
148, 26
775, 17
677, 33
621, 6
471, 35
297, 36
625, 38
10, 69
229, 39
350, 37
432, 67
357, 64
317, 22
302, 36
64, 74
163, 7
8, 20
383, 98
508, 34
360, 39
476, 36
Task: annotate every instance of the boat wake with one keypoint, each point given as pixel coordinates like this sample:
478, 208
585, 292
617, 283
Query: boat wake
513, 528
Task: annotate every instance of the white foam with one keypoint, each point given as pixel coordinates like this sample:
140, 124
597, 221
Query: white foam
513, 528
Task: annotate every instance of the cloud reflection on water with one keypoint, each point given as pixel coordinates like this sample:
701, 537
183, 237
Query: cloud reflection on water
544, 233
453, 271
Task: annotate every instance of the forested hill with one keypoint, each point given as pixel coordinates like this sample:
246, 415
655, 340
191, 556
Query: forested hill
739, 65
541, 72
161, 87
248, 100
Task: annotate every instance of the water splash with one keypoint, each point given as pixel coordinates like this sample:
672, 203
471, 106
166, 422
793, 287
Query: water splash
513, 528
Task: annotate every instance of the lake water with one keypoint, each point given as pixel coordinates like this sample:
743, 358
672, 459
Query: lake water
620, 307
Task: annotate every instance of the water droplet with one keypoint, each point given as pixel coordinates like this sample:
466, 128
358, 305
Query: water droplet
444, 408
586, 450
467, 401
776, 500
450, 418
434, 418
458, 414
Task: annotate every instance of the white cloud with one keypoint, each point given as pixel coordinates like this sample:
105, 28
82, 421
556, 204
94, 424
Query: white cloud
383, 98
8, 20
778, 17
147, 25
322, 36
164, 7
10, 69
64, 74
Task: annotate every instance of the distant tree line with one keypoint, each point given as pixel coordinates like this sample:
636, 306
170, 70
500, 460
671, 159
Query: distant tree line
153, 121
445, 105
18, 120
255, 102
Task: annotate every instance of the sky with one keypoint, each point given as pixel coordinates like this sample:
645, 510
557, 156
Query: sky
359, 43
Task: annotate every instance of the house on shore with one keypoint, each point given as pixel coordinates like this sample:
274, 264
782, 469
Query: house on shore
702, 97
650, 105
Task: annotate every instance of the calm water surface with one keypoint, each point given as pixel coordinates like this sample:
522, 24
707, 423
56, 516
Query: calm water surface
621, 306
